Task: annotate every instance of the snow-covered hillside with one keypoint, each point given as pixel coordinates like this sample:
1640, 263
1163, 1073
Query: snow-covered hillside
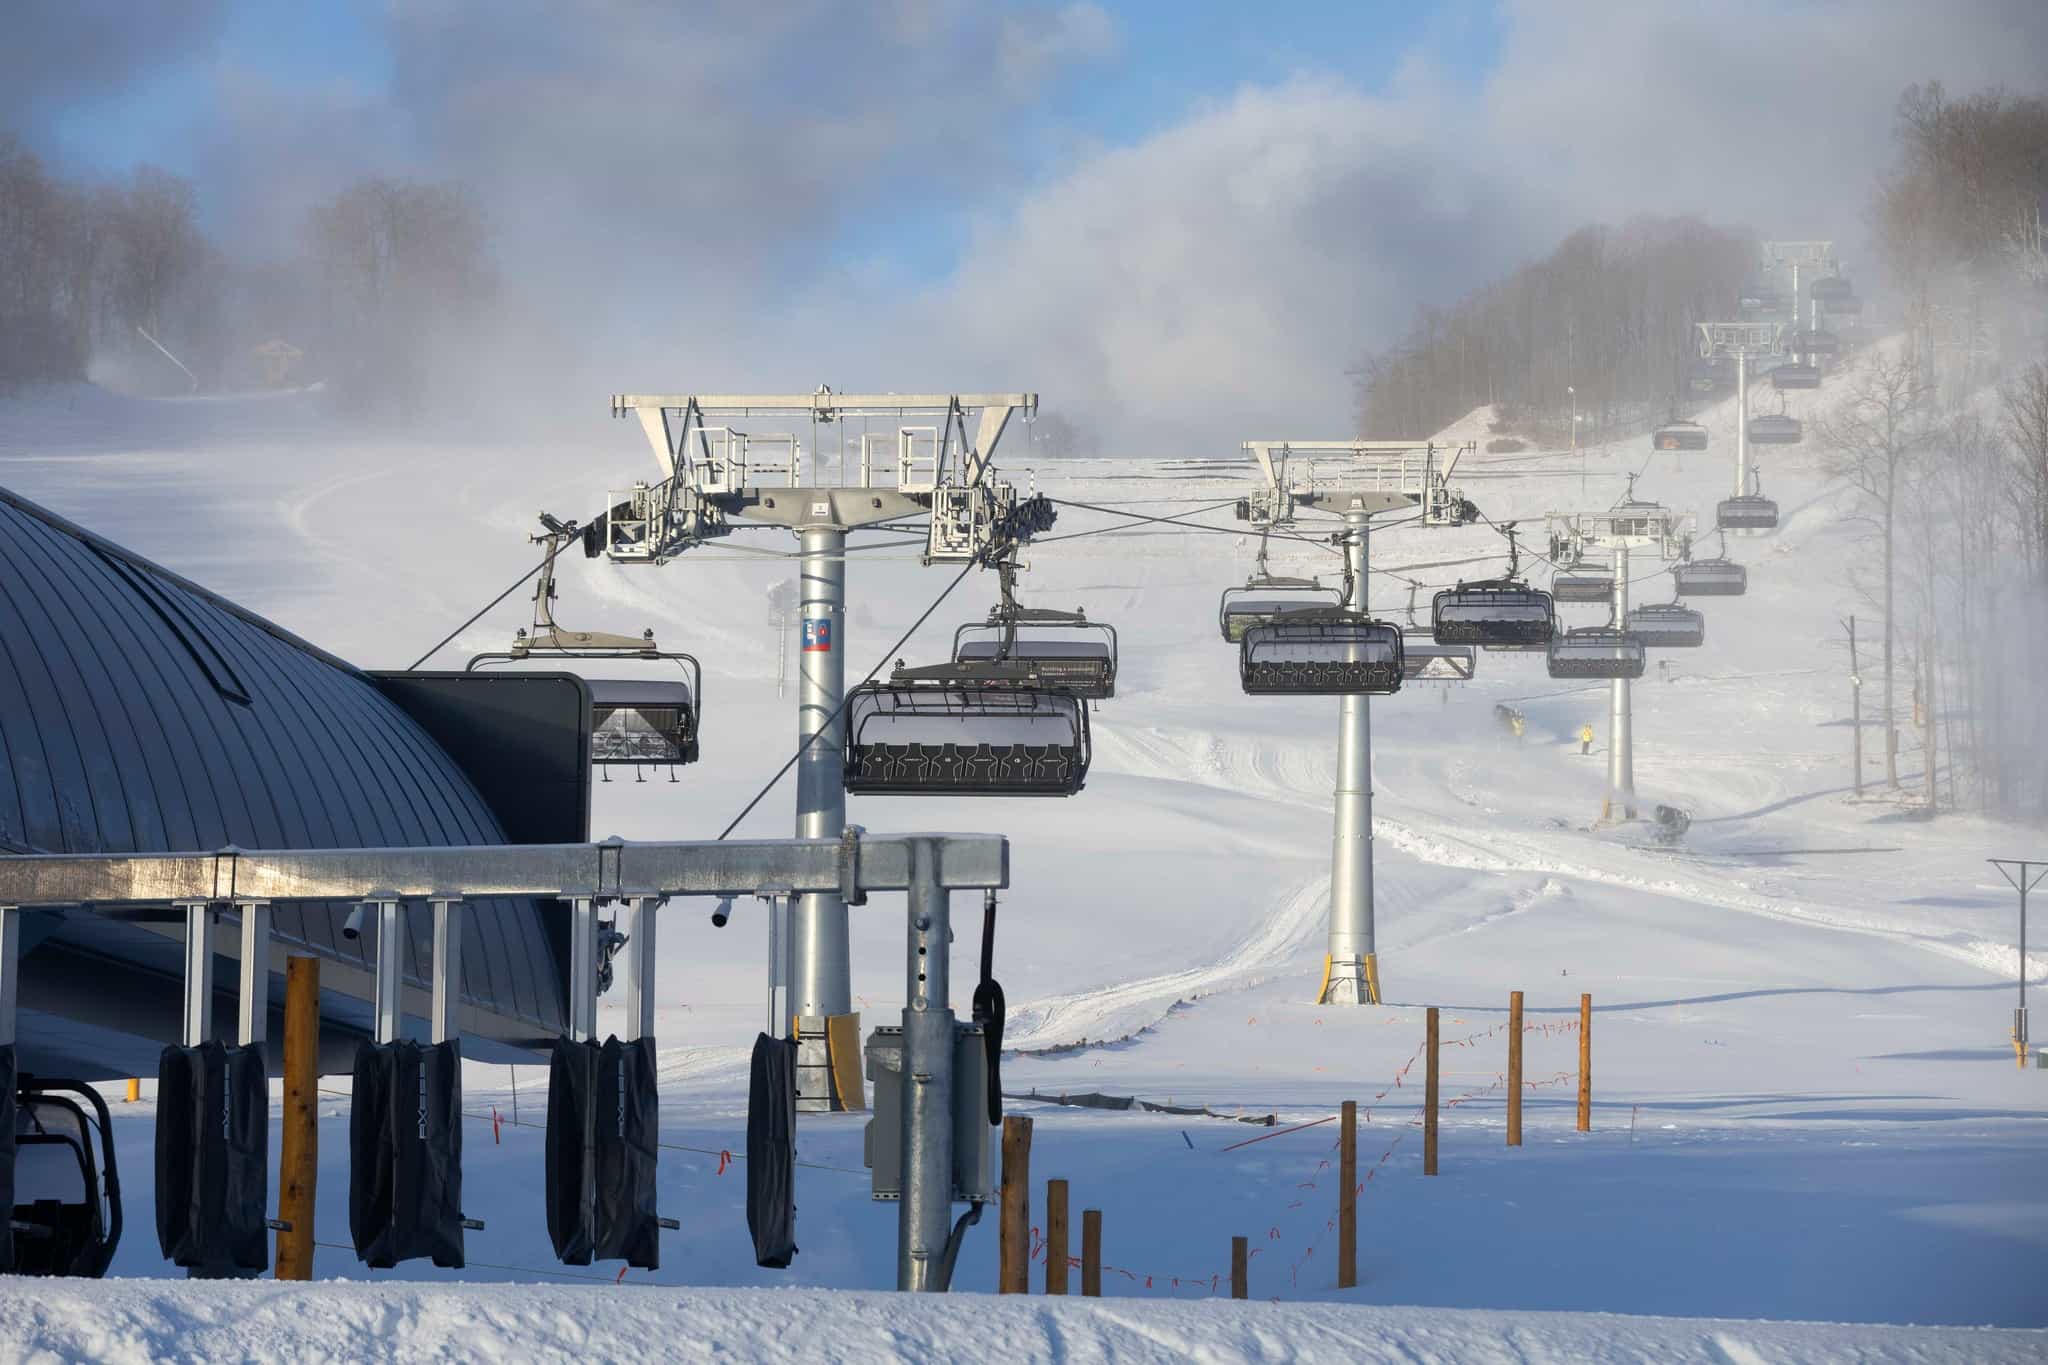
1805, 1107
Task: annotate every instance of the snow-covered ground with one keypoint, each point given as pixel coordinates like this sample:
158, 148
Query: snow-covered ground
1805, 1107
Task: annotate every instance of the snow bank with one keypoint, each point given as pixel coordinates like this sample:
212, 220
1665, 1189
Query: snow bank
142, 1321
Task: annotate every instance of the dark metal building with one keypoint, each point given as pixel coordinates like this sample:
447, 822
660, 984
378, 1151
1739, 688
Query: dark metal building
142, 713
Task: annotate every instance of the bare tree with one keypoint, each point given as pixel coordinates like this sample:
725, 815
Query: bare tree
2024, 400
1870, 440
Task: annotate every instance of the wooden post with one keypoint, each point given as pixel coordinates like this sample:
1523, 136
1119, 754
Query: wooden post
1014, 1242
1240, 1268
1585, 1063
1429, 1090
298, 1165
1091, 1253
1514, 1068
1055, 1236
1347, 1197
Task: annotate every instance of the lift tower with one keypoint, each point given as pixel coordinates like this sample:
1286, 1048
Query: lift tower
713, 482
1746, 341
1627, 526
1365, 479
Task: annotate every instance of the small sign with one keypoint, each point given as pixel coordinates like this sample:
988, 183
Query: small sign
817, 635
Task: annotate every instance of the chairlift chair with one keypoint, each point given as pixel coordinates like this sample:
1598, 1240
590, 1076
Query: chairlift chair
1065, 649
633, 722
1711, 578
1667, 625
1326, 652
67, 1183
1848, 305
1797, 375
1423, 660
1501, 611
1596, 652
965, 730
1679, 435
1814, 341
1746, 512
1830, 290
1583, 582
1775, 429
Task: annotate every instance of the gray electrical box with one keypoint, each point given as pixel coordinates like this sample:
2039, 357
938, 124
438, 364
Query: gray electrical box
973, 1152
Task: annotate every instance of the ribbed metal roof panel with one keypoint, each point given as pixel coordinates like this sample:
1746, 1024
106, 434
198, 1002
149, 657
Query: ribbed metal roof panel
141, 713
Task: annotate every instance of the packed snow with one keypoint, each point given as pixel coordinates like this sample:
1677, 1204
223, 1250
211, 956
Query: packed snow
1805, 1106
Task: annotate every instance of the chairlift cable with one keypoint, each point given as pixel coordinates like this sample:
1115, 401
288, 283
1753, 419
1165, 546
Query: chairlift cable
812, 738
515, 586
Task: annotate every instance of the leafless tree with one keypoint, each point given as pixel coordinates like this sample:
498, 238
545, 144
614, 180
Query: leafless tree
1871, 440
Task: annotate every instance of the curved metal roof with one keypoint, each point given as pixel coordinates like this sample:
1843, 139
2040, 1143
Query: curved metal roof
141, 713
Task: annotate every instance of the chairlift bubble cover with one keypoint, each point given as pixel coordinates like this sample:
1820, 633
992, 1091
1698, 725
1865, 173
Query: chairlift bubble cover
1746, 513
405, 1154
965, 737
602, 1138
1321, 653
1086, 668
1667, 625
771, 1151
1580, 586
1494, 614
1597, 652
213, 1158
1680, 436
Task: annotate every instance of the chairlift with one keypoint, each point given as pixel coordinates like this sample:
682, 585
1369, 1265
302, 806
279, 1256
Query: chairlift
1814, 341
1760, 298
1323, 652
1583, 582
1746, 512
636, 722
965, 730
67, 1184
1065, 650
1497, 611
1797, 375
1679, 435
1596, 652
1829, 290
1667, 625
1266, 596
1423, 660
1711, 578
1775, 429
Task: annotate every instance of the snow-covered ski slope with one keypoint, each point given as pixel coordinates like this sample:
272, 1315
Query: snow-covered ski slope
1804, 1104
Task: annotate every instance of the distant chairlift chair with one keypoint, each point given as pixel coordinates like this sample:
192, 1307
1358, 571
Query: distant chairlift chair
1711, 578
1679, 435
1596, 652
1066, 651
1498, 613
1797, 375
1583, 581
1325, 652
1747, 512
1775, 429
1667, 625
1265, 597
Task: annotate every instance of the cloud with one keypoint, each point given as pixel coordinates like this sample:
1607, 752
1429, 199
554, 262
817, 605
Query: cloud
60, 54
1034, 47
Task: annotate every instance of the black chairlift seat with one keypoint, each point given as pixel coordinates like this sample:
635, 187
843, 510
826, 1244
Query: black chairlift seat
1829, 290
1667, 625
642, 721
1497, 612
1596, 652
1848, 305
1680, 436
1775, 429
67, 1185
1324, 653
1422, 660
1261, 601
1747, 512
1582, 583
1814, 342
975, 734
1711, 578
1083, 664
1796, 376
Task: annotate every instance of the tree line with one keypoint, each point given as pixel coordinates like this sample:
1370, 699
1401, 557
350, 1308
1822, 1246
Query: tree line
1610, 314
118, 279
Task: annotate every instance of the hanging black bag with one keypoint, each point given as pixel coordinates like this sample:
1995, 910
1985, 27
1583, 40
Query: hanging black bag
771, 1152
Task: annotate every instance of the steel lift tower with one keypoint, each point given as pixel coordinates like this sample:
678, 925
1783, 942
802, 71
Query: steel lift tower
1746, 341
711, 484
1366, 478
1816, 256
1627, 526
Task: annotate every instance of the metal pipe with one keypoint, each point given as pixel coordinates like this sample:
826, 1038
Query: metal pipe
1621, 768
1351, 927
925, 1212
445, 1022
10, 971
583, 969
824, 979
198, 973
253, 1003
638, 922
390, 1008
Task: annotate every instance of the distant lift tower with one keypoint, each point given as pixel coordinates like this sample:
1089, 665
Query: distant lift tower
1816, 258
1746, 341
1628, 525
714, 480
1355, 480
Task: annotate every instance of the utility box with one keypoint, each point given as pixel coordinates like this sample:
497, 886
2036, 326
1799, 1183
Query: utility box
973, 1152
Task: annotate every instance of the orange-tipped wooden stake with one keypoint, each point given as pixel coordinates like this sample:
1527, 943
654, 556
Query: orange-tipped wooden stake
1514, 1068
1240, 1268
1013, 1241
1055, 1236
1091, 1253
1586, 1063
1347, 1197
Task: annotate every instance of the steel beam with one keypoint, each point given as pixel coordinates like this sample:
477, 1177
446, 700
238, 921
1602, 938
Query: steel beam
389, 919
823, 402
1351, 926
445, 1020
852, 866
253, 1003
583, 970
636, 919
925, 1214
198, 1025
824, 974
